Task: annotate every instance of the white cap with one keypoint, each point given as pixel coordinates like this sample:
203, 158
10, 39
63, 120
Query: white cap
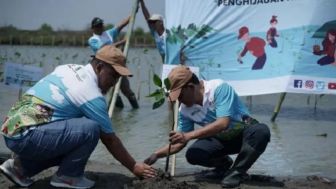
155, 17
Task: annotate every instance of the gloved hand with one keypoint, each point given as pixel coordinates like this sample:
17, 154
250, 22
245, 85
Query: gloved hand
151, 159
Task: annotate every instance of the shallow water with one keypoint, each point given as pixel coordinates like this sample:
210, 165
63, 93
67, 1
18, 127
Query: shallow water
295, 147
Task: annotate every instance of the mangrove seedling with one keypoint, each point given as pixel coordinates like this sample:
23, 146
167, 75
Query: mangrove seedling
159, 95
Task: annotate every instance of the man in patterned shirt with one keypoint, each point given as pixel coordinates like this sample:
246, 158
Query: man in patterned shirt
226, 128
59, 121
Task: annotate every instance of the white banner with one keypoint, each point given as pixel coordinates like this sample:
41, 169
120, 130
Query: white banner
258, 46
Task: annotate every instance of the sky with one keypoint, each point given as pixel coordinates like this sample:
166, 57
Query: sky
71, 14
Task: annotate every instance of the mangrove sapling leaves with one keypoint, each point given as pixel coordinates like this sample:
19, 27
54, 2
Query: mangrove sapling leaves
167, 83
157, 80
154, 94
158, 103
17, 54
145, 51
161, 93
157, 95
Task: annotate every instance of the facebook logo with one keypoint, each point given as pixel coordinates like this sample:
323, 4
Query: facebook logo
297, 83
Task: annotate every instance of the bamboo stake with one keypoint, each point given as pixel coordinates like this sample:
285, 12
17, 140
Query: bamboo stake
172, 171
128, 39
278, 106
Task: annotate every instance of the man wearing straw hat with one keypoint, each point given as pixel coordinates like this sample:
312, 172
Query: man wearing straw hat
226, 128
108, 37
59, 121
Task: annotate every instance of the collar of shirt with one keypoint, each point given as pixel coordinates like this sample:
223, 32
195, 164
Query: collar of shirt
206, 94
91, 72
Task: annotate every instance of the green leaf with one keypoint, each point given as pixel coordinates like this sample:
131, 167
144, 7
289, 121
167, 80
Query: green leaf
157, 92
167, 83
145, 51
17, 54
157, 80
158, 103
160, 95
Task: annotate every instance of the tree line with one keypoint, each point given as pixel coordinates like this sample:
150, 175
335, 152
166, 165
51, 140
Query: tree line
47, 36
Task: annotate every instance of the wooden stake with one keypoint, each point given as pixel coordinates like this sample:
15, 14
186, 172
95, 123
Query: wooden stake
125, 52
172, 171
278, 106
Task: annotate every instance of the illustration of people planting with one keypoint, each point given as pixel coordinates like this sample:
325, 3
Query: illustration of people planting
255, 45
328, 49
187, 38
272, 32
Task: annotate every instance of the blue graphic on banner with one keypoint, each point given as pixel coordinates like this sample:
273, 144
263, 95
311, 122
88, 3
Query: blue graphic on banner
248, 43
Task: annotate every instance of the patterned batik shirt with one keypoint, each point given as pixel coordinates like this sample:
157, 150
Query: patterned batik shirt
70, 91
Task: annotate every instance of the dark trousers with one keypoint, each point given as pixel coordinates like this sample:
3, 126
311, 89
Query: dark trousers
259, 63
126, 88
273, 43
203, 150
127, 91
325, 60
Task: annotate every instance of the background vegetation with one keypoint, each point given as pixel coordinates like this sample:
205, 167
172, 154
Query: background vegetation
46, 36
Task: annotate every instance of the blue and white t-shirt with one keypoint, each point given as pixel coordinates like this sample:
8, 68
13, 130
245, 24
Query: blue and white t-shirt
72, 91
219, 100
106, 38
160, 41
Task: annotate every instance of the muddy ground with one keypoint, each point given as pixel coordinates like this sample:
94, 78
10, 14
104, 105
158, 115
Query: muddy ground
117, 177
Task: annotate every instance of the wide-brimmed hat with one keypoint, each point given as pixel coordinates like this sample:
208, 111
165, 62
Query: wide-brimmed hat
112, 55
178, 77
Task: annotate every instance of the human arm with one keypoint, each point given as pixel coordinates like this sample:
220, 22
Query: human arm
147, 16
96, 110
123, 23
184, 125
117, 149
244, 51
163, 151
179, 139
120, 43
144, 10
227, 107
269, 36
208, 130
317, 51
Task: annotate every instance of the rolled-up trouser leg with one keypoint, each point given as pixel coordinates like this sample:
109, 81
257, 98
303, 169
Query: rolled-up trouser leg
127, 91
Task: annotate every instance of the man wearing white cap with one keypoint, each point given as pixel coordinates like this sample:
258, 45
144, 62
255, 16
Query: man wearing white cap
155, 23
